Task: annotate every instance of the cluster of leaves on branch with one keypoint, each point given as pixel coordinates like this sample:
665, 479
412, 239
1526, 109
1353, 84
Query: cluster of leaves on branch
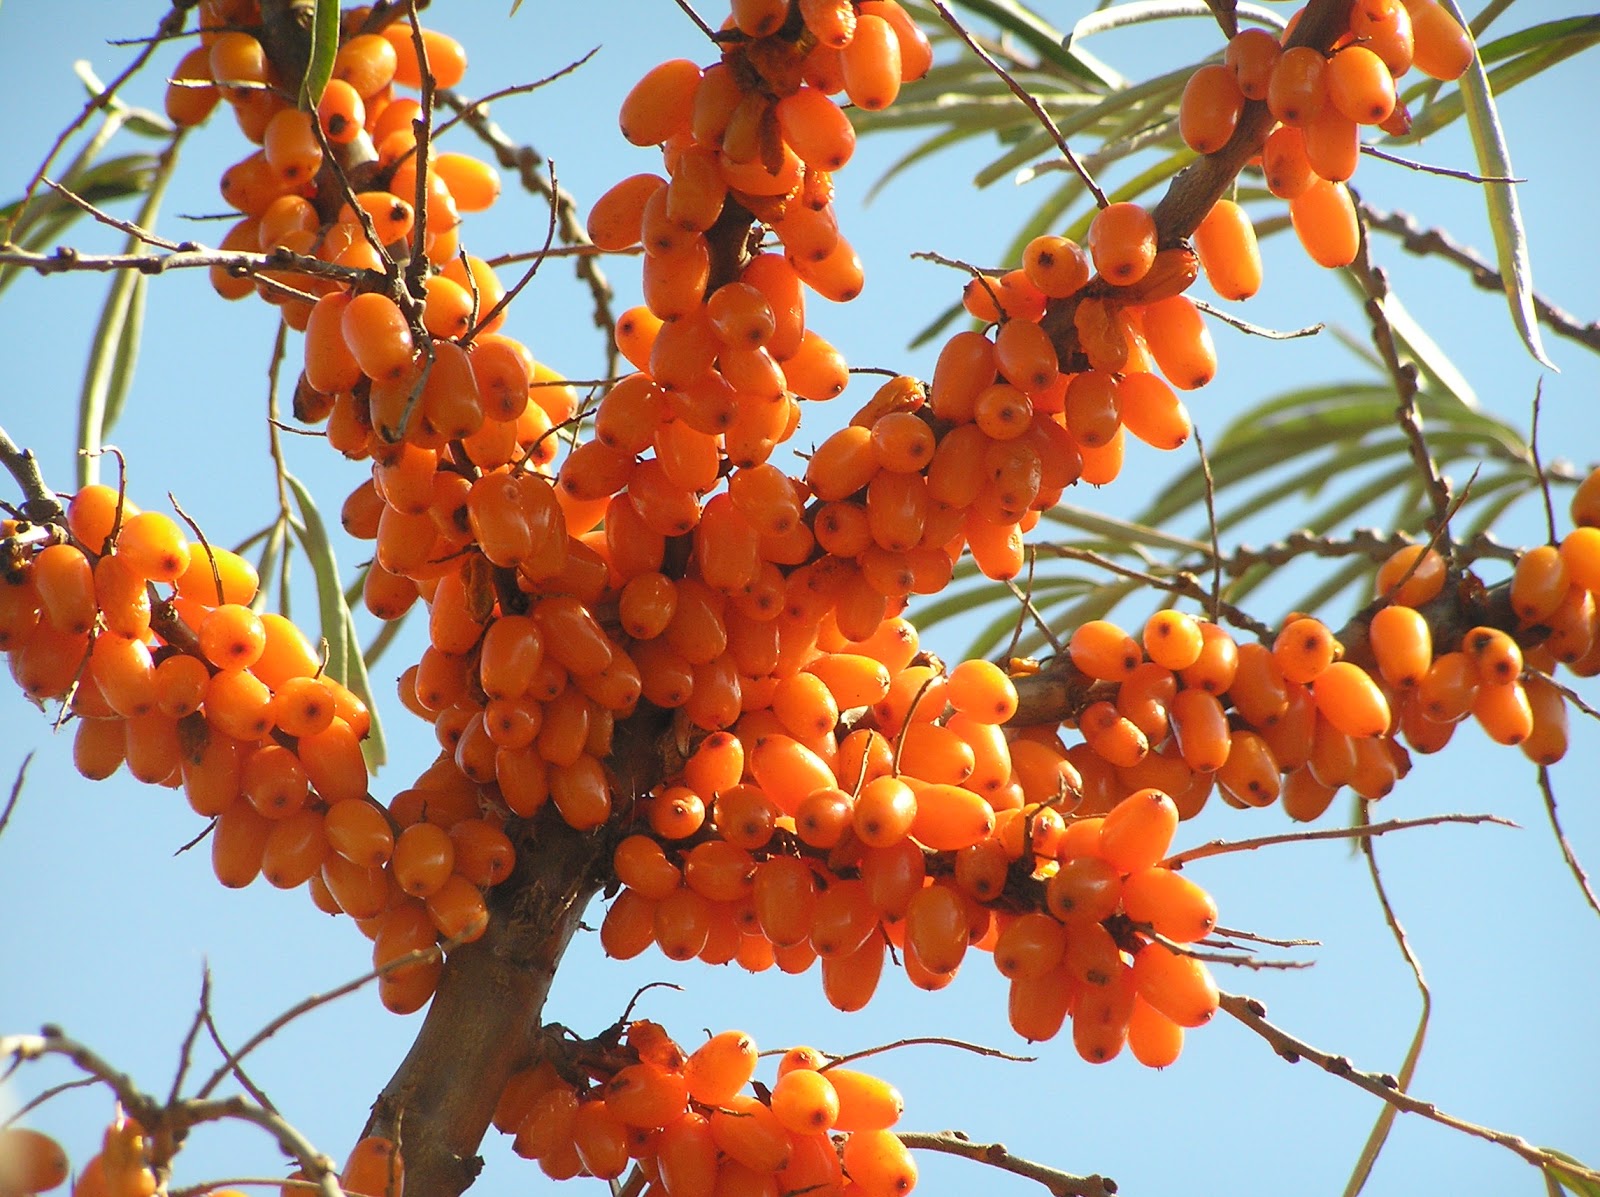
645, 630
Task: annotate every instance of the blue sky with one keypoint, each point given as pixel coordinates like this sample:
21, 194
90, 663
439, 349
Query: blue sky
106, 932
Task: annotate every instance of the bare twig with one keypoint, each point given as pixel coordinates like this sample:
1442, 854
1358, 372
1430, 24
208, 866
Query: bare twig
39, 502
1219, 847
1386, 1088
1404, 374
976, 1049
1429, 169
1215, 598
526, 161
16, 792
1028, 101
1424, 242
1058, 1183
1257, 330
1567, 854
305, 1006
1408, 1067
171, 24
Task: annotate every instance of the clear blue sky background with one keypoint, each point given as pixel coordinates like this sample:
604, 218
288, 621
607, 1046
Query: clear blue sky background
105, 932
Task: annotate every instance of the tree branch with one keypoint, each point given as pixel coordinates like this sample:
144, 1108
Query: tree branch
1061, 1184
1386, 1088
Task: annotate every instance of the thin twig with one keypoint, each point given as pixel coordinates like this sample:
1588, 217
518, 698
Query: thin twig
239, 1073
1028, 101
1181, 583
170, 24
1057, 1182
515, 289
1538, 468
526, 161
1235, 933
1404, 375
1425, 242
1429, 169
1257, 330
1408, 1067
1253, 1015
977, 1049
306, 1005
1219, 847
16, 792
1567, 854
1211, 526
202, 1015
137, 232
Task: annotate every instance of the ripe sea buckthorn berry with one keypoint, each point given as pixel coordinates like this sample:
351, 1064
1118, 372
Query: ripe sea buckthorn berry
1539, 583
720, 1068
189, 97
1333, 144
1284, 163
154, 545
64, 581
1350, 700
1361, 85
1153, 1038
1138, 830
1251, 56
1025, 355
1304, 648
341, 112
1209, 110
879, 1164
1249, 777
232, 637
378, 336
1324, 219
1412, 576
447, 59
661, 103
366, 62
1580, 553
816, 128
1057, 266
1175, 906
1494, 654
871, 63
1179, 340
1403, 645
291, 147
1442, 48
1122, 242
1297, 90
1180, 987
982, 690
1503, 711
1226, 243
1173, 639
1104, 651
1546, 742
30, 1161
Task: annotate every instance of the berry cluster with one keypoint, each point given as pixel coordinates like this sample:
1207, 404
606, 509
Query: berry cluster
1321, 102
688, 1124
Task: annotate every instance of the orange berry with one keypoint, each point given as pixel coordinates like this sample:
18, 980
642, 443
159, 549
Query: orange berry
1209, 111
1122, 242
1324, 219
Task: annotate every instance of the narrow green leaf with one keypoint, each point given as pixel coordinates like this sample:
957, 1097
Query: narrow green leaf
1137, 12
1123, 532
1579, 1186
114, 352
1505, 215
1045, 40
345, 663
324, 45
1502, 78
